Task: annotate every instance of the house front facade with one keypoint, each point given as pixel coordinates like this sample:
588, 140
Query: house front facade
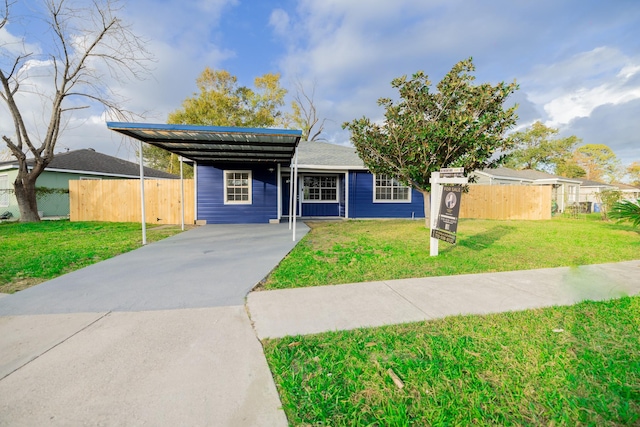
332, 182
244, 175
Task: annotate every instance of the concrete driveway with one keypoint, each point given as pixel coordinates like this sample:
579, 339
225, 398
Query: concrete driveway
157, 336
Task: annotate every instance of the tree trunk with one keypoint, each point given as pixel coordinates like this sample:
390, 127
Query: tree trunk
25, 189
427, 208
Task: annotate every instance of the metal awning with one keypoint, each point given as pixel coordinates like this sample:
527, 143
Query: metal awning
216, 144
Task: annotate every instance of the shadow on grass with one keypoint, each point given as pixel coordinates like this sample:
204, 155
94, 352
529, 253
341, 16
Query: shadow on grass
479, 242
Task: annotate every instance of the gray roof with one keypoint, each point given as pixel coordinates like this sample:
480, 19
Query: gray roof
324, 154
589, 183
526, 174
91, 162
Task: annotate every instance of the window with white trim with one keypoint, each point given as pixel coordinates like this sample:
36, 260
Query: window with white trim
573, 193
4, 191
387, 189
320, 188
237, 187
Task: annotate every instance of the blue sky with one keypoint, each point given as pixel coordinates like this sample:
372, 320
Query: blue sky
577, 61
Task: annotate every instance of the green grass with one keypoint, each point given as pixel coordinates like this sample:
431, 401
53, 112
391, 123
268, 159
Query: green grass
577, 365
35, 252
357, 251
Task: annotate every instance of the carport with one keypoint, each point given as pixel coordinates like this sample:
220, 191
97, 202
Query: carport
220, 145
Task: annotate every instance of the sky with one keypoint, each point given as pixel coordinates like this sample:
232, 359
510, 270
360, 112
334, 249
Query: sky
577, 62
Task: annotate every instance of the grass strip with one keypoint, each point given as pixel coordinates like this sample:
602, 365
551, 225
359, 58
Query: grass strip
576, 365
35, 252
358, 251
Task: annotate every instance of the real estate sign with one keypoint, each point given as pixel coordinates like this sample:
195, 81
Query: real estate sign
447, 225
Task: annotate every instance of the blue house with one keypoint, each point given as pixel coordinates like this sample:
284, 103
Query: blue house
244, 175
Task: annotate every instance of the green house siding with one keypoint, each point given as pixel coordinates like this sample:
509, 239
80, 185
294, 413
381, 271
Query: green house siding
49, 203
12, 205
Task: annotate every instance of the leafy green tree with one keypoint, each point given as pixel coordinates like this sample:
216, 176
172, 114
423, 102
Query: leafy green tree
459, 125
633, 172
160, 159
598, 161
222, 102
607, 199
626, 210
537, 148
569, 169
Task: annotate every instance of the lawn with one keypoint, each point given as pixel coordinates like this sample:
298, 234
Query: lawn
35, 252
356, 251
577, 365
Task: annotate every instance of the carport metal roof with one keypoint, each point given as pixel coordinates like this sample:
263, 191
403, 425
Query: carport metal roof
216, 144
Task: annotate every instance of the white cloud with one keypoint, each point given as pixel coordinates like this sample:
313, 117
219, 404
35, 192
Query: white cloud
279, 20
575, 87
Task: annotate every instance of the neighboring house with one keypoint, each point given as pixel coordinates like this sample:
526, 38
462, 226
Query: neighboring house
630, 192
565, 191
243, 175
590, 191
77, 164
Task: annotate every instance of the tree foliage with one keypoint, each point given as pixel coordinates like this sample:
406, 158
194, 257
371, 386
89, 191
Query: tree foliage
221, 101
607, 199
85, 43
163, 160
598, 161
458, 125
633, 172
538, 148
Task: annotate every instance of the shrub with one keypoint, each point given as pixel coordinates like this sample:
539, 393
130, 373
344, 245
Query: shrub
626, 210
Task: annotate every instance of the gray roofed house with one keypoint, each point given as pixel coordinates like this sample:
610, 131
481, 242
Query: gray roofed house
72, 165
87, 161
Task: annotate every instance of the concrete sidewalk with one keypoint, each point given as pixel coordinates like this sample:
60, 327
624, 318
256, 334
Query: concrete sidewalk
327, 308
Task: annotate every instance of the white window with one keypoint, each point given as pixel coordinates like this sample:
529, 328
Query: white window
573, 193
320, 189
4, 191
387, 189
237, 187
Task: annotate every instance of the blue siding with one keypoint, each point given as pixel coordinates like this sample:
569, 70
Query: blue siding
320, 209
211, 205
361, 203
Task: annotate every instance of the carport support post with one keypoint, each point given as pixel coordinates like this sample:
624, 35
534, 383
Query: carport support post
144, 225
182, 192
295, 195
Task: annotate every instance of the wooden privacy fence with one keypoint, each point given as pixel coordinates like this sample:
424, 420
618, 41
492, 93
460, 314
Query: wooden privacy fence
507, 202
118, 200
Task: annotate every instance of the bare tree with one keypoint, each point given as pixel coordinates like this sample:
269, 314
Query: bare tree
305, 115
86, 45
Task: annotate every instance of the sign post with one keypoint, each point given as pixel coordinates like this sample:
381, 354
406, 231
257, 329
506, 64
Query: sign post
446, 192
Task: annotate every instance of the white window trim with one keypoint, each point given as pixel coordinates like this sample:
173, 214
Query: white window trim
408, 200
5, 195
336, 200
238, 202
